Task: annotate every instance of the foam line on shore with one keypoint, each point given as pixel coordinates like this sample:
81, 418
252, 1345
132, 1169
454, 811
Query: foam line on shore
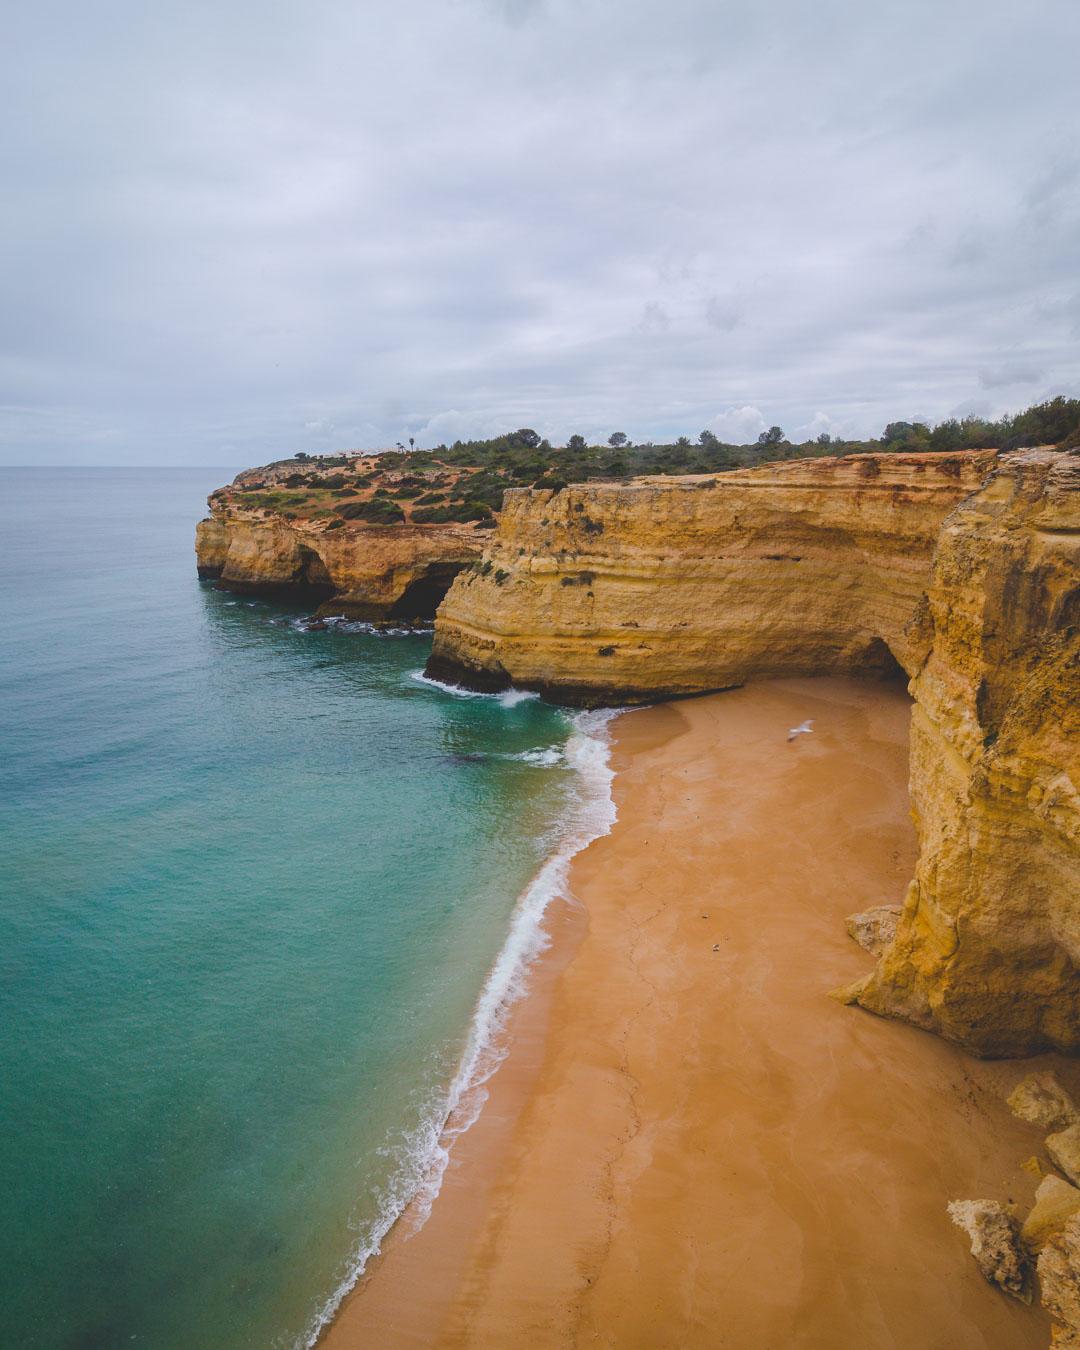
424, 1154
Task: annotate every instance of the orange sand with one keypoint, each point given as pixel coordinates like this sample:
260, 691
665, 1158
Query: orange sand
691, 1145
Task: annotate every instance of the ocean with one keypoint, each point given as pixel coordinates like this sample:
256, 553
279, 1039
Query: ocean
265, 896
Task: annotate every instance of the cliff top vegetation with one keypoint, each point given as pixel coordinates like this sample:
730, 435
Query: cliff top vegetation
464, 483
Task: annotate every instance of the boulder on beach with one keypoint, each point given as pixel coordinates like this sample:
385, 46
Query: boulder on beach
1059, 1278
1056, 1202
1064, 1149
995, 1245
874, 928
1041, 1099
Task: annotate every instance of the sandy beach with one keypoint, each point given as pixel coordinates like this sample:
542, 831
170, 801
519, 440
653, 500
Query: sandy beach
690, 1143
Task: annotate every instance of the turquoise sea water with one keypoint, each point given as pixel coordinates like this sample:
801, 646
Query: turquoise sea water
254, 881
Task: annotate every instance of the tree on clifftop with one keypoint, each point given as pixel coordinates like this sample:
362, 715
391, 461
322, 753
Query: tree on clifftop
576, 443
773, 436
617, 438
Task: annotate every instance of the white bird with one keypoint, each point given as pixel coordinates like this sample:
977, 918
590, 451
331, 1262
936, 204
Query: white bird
803, 730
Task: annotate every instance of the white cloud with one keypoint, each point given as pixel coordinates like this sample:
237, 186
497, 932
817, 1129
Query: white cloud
738, 426
820, 424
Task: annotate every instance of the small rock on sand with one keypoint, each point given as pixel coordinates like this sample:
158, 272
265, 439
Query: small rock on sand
1056, 1202
995, 1245
1042, 1100
1059, 1277
874, 928
1064, 1149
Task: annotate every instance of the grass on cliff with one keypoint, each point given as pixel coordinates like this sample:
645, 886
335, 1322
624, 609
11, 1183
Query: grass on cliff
464, 483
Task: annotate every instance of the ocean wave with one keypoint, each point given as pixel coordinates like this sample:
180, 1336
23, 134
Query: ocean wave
423, 1155
338, 623
547, 757
507, 698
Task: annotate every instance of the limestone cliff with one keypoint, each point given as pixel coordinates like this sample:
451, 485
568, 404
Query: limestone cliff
609, 593
962, 570
989, 941
271, 534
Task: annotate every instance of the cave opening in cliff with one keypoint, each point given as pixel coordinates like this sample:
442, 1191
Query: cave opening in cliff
312, 580
878, 660
422, 597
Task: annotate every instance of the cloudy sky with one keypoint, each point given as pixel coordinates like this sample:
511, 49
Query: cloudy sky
230, 230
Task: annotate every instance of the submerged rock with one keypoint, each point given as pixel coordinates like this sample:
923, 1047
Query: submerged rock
1042, 1100
995, 1245
875, 928
1056, 1202
1059, 1277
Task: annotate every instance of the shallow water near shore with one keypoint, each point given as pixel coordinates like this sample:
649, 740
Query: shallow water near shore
255, 880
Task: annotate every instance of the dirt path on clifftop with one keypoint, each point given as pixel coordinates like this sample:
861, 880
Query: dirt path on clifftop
711, 1152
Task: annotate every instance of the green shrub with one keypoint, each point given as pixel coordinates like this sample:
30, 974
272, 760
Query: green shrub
377, 511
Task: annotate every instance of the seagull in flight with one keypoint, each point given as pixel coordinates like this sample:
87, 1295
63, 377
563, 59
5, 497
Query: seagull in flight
803, 729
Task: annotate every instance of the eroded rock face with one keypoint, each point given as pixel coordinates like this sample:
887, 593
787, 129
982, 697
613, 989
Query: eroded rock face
371, 572
608, 593
989, 941
995, 1245
1059, 1281
960, 569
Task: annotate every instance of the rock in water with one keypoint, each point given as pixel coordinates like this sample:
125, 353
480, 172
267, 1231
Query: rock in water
1056, 1202
1064, 1149
1059, 1276
995, 1245
875, 928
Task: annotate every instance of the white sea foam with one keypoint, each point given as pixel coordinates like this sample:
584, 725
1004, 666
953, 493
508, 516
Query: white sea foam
338, 623
507, 698
546, 757
424, 1153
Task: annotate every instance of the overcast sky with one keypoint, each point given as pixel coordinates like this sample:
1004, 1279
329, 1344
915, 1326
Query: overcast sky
230, 230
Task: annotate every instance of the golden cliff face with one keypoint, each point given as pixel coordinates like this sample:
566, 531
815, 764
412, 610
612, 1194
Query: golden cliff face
372, 572
961, 569
673, 586
988, 944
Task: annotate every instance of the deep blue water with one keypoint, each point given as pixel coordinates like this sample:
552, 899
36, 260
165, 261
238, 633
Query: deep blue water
254, 879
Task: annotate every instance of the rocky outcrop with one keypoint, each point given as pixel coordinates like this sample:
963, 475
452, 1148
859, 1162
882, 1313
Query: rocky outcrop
960, 570
989, 941
661, 587
995, 1245
372, 572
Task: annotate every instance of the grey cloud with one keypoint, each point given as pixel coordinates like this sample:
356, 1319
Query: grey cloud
233, 230
998, 377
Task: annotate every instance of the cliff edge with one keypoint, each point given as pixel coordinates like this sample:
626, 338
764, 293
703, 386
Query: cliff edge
340, 533
958, 570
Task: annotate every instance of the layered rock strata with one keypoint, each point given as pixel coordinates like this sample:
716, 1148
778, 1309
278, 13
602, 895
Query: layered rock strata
661, 587
959, 570
372, 572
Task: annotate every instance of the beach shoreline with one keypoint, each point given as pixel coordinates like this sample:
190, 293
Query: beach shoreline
690, 1143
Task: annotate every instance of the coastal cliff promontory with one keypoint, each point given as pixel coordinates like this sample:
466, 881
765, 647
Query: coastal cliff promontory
959, 570
326, 531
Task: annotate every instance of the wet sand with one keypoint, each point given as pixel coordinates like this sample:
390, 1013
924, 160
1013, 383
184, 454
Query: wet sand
690, 1143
